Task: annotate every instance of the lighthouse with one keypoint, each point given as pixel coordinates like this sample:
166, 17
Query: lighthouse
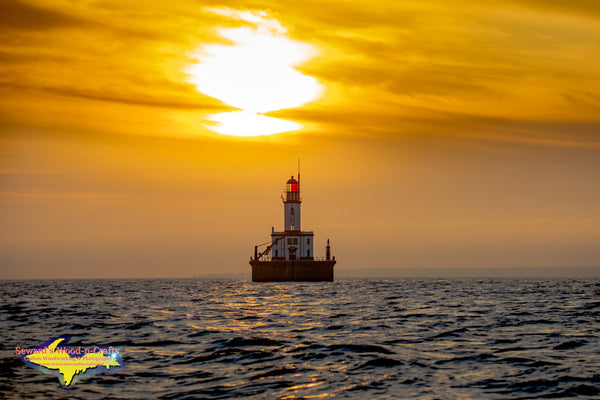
295, 244
289, 255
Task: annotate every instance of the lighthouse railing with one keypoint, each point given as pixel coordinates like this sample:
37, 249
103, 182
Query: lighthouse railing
265, 257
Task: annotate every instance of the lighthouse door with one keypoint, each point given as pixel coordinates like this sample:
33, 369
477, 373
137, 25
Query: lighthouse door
292, 251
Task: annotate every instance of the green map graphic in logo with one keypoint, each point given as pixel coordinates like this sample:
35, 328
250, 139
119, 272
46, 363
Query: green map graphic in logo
70, 364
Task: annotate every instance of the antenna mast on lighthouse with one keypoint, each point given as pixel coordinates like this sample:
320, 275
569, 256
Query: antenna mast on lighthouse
298, 172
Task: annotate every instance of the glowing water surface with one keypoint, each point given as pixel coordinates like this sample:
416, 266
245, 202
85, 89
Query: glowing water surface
352, 338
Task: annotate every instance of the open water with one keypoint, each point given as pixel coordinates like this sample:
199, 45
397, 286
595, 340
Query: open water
354, 338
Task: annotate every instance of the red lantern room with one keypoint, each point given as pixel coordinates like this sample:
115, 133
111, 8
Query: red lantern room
292, 191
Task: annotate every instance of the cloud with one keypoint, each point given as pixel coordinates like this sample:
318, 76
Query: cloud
201, 102
98, 53
42, 195
584, 99
506, 60
589, 8
414, 122
432, 112
18, 15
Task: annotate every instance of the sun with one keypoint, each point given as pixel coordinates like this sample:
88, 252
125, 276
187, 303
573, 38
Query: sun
255, 74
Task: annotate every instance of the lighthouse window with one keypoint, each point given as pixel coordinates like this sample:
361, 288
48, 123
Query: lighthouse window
308, 242
292, 241
292, 211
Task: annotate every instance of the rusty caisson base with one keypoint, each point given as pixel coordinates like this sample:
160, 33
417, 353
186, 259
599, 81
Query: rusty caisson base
292, 271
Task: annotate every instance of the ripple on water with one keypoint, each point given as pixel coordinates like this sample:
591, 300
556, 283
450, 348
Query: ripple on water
355, 338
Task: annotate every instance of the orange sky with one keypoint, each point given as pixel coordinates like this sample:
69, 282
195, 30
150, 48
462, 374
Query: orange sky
448, 134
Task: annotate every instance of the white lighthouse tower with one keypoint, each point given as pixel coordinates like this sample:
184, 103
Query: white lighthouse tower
292, 243
291, 205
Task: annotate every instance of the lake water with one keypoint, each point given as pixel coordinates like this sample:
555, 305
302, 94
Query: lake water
353, 338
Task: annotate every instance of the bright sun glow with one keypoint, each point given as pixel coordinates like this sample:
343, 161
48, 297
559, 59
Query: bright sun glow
256, 74
248, 123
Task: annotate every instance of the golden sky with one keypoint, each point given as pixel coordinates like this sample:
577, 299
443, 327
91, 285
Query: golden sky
438, 134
